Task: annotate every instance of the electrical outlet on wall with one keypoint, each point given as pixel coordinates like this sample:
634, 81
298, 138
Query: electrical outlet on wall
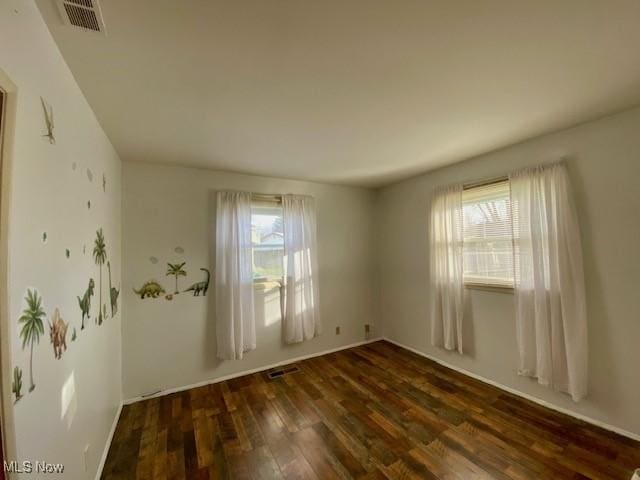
86, 457
337, 330
367, 331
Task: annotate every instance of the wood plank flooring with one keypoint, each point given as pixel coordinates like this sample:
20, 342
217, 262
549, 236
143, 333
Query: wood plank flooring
371, 412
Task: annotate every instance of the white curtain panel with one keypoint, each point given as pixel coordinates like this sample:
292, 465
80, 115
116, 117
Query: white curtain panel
235, 322
301, 308
447, 284
551, 316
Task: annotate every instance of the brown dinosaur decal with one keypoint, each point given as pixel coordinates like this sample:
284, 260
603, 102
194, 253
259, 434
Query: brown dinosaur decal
58, 334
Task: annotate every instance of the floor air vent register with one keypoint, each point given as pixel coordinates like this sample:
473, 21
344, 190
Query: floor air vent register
280, 372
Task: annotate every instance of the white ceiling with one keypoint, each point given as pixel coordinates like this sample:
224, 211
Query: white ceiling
362, 92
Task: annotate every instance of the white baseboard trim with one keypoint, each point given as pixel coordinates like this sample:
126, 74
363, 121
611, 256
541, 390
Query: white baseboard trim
107, 445
579, 416
262, 368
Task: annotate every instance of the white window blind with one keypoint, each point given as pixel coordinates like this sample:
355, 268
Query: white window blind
488, 246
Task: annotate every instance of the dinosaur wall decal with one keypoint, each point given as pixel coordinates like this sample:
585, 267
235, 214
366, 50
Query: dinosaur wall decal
48, 119
58, 334
151, 289
85, 302
113, 293
200, 287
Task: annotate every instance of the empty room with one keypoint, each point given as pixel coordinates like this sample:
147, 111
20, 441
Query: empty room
285, 239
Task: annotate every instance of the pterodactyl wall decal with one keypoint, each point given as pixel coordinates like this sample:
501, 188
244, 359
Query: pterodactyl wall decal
48, 118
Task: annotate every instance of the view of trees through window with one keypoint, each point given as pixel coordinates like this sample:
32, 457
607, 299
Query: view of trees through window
267, 239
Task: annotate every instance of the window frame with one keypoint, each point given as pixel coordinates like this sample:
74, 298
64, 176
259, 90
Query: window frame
489, 286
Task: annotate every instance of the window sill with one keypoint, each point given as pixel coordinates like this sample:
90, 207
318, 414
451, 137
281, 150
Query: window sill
266, 284
488, 287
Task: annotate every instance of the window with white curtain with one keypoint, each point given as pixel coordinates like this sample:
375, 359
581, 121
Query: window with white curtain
488, 238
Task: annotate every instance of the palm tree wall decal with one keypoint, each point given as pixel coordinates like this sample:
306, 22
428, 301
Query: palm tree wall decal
100, 256
32, 326
176, 270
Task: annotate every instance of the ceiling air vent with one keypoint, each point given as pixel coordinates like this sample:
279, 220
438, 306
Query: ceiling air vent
83, 14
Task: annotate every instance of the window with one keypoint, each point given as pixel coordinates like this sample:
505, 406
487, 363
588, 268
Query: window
488, 245
267, 240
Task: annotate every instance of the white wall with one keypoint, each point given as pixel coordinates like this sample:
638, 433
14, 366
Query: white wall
46, 194
172, 343
604, 164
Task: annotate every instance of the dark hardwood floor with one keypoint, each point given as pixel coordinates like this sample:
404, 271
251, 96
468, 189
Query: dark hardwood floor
371, 412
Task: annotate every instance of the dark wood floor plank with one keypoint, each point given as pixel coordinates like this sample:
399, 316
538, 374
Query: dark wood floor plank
291, 461
368, 413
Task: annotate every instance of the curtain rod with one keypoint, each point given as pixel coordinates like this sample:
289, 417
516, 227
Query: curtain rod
482, 183
504, 178
266, 197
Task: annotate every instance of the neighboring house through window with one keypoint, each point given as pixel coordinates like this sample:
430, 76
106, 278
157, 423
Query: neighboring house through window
267, 240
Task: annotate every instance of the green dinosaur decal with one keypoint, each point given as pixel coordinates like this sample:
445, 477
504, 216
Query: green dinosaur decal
85, 302
200, 287
151, 289
16, 386
113, 293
